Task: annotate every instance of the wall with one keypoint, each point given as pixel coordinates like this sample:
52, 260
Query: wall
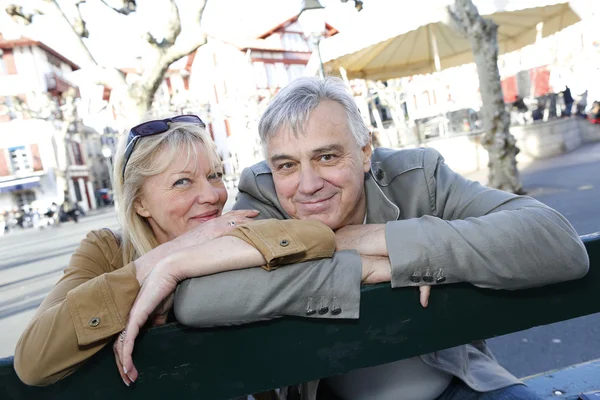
464, 154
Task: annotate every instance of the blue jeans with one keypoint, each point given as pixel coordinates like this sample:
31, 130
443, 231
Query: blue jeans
458, 390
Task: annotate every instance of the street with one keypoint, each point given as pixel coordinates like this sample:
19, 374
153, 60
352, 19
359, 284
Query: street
32, 261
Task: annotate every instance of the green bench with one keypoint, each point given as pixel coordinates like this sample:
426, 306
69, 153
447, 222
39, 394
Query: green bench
223, 363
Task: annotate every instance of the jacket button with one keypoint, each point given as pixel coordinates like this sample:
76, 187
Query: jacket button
310, 309
416, 276
439, 276
94, 322
428, 277
323, 309
379, 174
284, 243
335, 307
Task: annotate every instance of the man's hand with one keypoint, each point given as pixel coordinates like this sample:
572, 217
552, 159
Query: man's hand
377, 269
368, 239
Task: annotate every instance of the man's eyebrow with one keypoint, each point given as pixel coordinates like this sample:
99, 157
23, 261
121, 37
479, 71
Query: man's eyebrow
280, 157
336, 147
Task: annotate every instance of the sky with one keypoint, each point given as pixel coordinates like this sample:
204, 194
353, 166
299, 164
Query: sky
115, 39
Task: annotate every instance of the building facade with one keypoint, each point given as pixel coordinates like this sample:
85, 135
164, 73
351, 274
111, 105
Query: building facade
41, 156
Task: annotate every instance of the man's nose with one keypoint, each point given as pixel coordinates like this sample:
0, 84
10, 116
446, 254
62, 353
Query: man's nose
207, 193
310, 181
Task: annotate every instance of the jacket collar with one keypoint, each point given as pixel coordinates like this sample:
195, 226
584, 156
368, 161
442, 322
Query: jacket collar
379, 208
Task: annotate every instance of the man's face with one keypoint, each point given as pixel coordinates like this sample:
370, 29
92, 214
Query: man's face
320, 174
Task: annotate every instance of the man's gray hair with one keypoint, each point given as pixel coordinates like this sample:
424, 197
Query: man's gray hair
291, 108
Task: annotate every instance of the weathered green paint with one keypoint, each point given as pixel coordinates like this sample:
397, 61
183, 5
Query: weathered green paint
227, 362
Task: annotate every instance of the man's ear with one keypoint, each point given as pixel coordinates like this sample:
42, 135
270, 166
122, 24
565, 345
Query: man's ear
367, 151
140, 208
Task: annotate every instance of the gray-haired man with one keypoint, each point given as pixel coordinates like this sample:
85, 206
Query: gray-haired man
402, 216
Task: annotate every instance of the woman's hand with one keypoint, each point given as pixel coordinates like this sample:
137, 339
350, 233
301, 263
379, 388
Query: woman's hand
215, 228
211, 229
156, 291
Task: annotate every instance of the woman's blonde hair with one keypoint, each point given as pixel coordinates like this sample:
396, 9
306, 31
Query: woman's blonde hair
151, 156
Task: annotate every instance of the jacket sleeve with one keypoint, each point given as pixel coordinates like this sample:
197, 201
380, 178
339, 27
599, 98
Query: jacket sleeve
288, 241
490, 238
88, 305
326, 288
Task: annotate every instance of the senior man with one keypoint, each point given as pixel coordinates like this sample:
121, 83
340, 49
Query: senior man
399, 215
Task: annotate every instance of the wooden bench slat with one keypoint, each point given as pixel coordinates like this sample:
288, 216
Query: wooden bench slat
228, 362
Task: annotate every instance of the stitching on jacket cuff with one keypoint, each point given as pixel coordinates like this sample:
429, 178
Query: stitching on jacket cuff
109, 321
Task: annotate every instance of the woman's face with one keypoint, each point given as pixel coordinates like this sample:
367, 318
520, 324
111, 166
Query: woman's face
181, 197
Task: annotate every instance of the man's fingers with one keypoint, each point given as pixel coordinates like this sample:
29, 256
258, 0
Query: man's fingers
424, 295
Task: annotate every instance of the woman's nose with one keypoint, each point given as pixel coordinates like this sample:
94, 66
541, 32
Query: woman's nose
207, 194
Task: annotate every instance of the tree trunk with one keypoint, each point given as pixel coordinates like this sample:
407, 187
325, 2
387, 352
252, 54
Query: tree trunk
497, 139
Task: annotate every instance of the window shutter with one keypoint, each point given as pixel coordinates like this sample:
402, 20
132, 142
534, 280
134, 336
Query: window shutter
4, 171
36, 159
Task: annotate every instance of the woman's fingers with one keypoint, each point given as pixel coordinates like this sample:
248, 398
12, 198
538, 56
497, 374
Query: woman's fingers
116, 350
127, 365
248, 213
158, 286
424, 295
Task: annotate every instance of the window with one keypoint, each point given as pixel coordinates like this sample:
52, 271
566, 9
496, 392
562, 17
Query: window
19, 159
24, 197
295, 71
76, 149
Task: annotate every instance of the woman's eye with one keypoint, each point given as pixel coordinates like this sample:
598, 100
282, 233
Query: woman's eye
217, 176
182, 181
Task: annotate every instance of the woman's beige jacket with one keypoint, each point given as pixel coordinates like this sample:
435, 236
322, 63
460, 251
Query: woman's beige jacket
91, 302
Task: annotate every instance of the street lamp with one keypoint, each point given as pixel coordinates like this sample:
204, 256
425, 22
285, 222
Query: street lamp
312, 21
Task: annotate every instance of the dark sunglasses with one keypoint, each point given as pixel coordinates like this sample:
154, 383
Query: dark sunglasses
154, 128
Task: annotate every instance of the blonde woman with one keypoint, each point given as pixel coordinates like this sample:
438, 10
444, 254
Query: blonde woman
170, 197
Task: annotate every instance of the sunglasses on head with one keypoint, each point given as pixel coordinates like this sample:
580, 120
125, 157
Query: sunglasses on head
153, 128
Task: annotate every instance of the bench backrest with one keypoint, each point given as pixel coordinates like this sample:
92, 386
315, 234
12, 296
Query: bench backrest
234, 361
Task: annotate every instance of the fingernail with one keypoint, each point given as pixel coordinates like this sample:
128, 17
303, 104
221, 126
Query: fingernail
130, 378
125, 370
125, 382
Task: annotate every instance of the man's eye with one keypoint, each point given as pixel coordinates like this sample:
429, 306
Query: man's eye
217, 176
182, 181
327, 157
287, 165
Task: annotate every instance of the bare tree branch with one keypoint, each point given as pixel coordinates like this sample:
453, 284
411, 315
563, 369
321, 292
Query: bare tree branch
456, 21
194, 38
173, 23
167, 55
128, 7
19, 15
79, 25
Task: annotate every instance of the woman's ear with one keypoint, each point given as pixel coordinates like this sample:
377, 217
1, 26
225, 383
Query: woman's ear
140, 208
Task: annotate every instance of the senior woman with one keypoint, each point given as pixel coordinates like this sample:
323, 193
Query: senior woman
169, 196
